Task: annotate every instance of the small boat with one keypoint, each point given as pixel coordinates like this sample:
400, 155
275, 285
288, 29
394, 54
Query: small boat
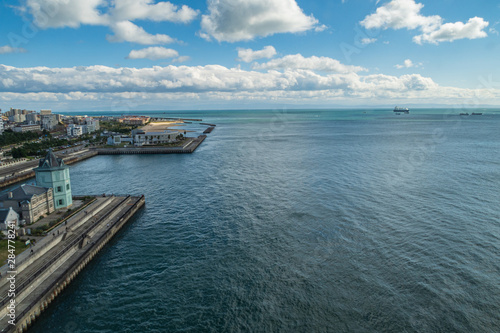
477, 113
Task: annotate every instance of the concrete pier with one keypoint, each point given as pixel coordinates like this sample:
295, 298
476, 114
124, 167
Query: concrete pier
209, 130
41, 276
188, 148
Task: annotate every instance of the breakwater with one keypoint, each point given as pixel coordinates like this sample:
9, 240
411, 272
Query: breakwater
208, 130
38, 284
188, 148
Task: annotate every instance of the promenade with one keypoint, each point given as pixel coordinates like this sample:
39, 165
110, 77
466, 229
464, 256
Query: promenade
56, 259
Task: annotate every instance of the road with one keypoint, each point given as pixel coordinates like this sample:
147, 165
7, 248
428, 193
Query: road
19, 168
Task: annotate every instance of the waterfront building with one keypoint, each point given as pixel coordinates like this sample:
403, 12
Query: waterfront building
119, 139
8, 216
154, 137
53, 173
29, 201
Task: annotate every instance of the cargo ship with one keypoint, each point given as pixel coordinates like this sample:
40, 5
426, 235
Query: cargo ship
404, 110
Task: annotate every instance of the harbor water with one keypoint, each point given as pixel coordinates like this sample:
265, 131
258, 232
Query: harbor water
300, 221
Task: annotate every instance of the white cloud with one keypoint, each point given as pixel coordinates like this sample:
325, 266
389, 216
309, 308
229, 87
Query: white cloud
129, 10
236, 20
452, 31
297, 61
117, 14
64, 13
406, 64
182, 59
400, 14
366, 41
127, 31
249, 55
153, 53
9, 49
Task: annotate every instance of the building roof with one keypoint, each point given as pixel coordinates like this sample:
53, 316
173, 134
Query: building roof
4, 212
24, 192
50, 161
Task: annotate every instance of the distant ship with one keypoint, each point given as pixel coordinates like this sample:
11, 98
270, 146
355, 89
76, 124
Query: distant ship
464, 114
477, 113
398, 110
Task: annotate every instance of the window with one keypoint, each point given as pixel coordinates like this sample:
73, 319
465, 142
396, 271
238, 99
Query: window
59, 189
60, 202
67, 186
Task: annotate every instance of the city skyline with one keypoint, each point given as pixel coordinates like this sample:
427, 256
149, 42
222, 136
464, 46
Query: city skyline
149, 55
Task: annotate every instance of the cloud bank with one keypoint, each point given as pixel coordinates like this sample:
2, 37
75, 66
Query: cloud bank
95, 86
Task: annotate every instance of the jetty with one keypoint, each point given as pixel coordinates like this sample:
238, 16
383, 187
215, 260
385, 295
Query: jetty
188, 148
39, 276
209, 130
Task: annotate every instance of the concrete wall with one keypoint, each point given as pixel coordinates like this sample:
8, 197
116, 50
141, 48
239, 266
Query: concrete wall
25, 319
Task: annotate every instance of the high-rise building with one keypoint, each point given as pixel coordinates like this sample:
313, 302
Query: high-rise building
32, 118
48, 121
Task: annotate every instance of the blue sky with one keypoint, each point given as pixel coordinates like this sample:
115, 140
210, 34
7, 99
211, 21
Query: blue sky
144, 54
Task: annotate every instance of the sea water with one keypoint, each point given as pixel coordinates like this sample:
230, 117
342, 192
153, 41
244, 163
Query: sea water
300, 221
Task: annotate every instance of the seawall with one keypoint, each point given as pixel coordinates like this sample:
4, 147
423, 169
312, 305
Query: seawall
87, 240
189, 148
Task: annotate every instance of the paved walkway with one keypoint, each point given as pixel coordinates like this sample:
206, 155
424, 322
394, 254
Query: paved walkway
45, 272
46, 240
